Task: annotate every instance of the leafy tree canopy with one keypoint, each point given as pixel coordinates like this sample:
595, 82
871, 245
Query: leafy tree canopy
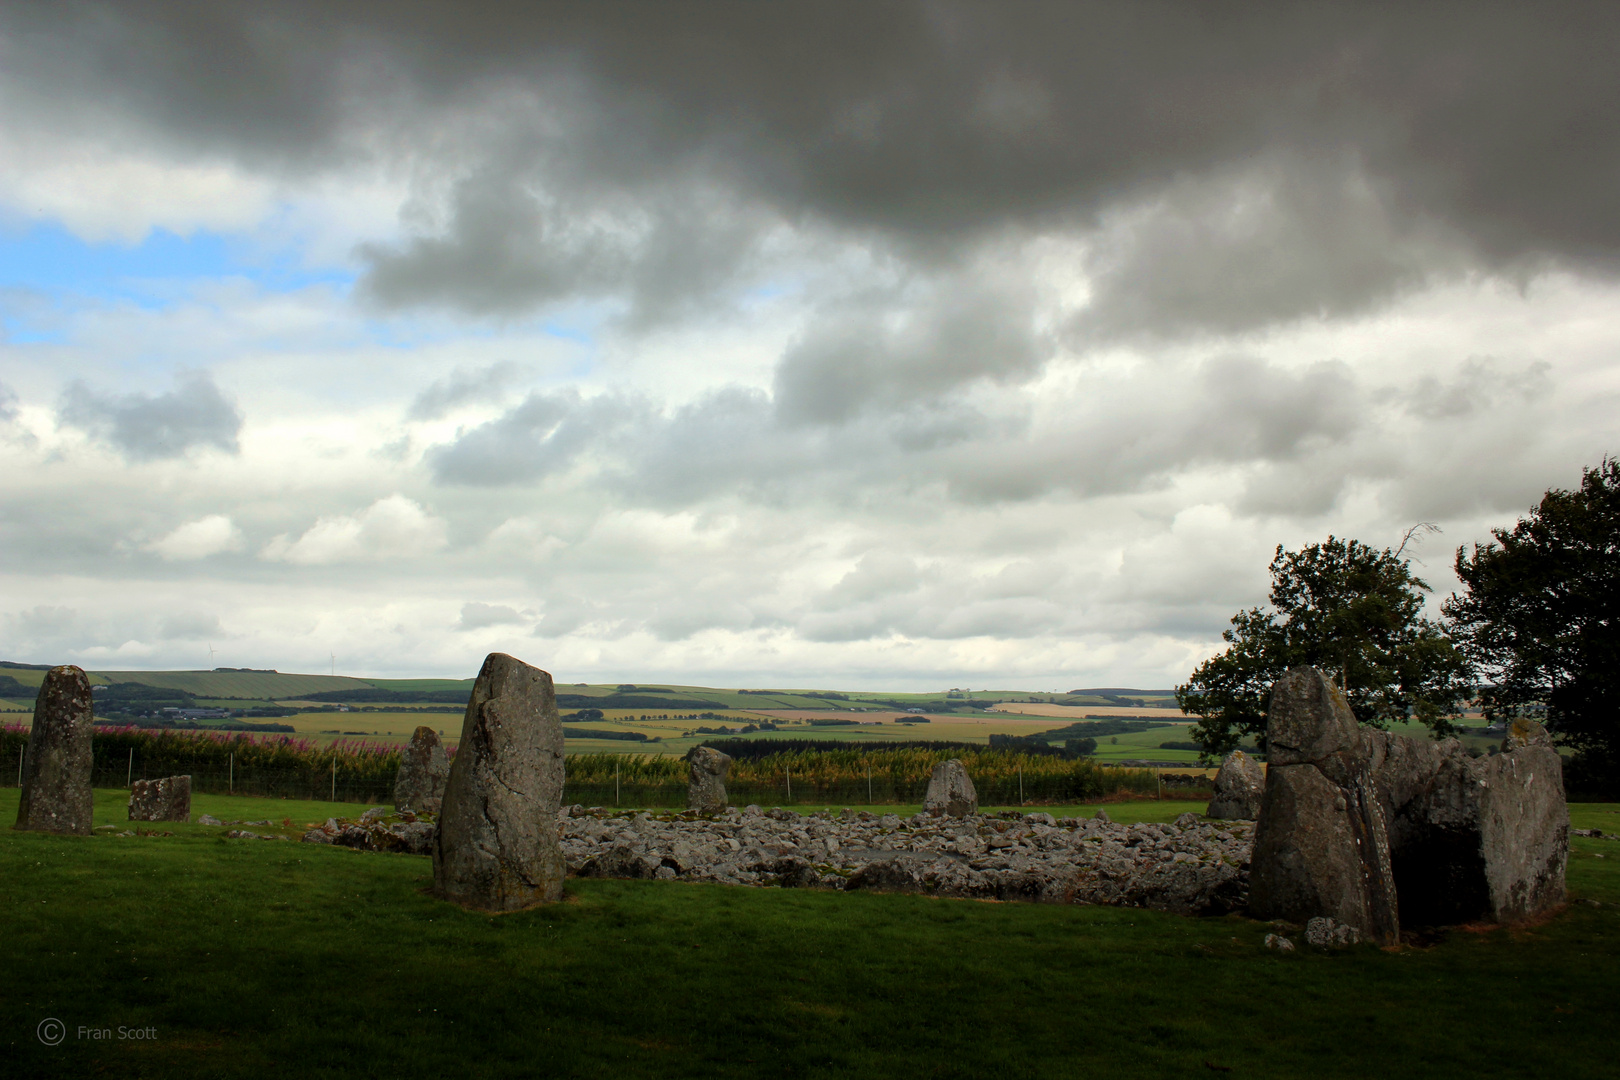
1541, 616
1348, 609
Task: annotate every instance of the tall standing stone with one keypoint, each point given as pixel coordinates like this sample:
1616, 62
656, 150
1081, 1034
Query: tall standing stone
1321, 843
950, 791
706, 788
56, 766
168, 799
497, 847
1239, 786
423, 769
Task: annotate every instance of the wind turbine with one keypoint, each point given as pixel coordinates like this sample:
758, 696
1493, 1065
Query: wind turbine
210, 655
334, 663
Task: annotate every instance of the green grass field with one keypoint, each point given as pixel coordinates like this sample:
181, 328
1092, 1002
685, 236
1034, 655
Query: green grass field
254, 958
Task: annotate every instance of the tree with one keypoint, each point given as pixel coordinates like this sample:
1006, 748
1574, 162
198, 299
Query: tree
1351, 610
1541, 616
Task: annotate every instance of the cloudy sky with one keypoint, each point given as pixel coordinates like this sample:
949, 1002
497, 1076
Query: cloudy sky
896, 345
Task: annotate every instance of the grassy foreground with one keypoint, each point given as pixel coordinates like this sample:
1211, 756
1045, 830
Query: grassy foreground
252, 958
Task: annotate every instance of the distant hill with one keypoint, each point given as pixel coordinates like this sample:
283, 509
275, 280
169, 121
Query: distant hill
264, 685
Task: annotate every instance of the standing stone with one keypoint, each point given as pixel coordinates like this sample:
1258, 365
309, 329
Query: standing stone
1238, 788
497, 847
950, 791
1321, 843
423, 769
56, 766
168, 799
706, 789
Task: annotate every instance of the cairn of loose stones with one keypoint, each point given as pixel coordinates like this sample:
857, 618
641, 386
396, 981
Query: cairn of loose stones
1190, 866
56, 767
496, 848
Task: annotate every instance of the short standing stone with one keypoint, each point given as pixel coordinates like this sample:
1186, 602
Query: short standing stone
423, 769
497, 847
56, 766
950, 791
1238, 788
168, 799
706, 790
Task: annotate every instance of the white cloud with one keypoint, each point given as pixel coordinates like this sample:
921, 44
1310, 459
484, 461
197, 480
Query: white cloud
199, 539
390, 528
476, 616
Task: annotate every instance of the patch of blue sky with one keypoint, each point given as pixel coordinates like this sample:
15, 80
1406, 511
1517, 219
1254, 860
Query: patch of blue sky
18, 331
49, 259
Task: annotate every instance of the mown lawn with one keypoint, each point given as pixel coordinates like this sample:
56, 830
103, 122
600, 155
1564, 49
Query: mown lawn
254, 958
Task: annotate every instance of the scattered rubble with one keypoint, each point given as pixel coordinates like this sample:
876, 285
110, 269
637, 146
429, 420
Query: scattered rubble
1324, 933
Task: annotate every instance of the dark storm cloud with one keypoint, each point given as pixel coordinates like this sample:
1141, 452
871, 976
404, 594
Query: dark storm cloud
150, 427
1458, 132
535, 439
736, 442
862, 355
462, 387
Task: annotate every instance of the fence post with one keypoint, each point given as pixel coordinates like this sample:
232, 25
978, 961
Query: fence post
19, 764
1020, 783
230, 783
615, 783
789, 770
129, 773
334, 778
868, 781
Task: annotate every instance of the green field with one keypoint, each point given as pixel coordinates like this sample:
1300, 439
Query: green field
255, 958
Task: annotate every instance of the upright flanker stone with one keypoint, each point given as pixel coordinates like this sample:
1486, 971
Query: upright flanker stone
1354, 821
423, 770
56, 766
497, 847
1321, 844
706, 790
950, 791
168, 799
1239, 786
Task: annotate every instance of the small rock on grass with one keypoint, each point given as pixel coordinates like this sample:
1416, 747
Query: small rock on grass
209, 819
1325, 933
1280, 943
